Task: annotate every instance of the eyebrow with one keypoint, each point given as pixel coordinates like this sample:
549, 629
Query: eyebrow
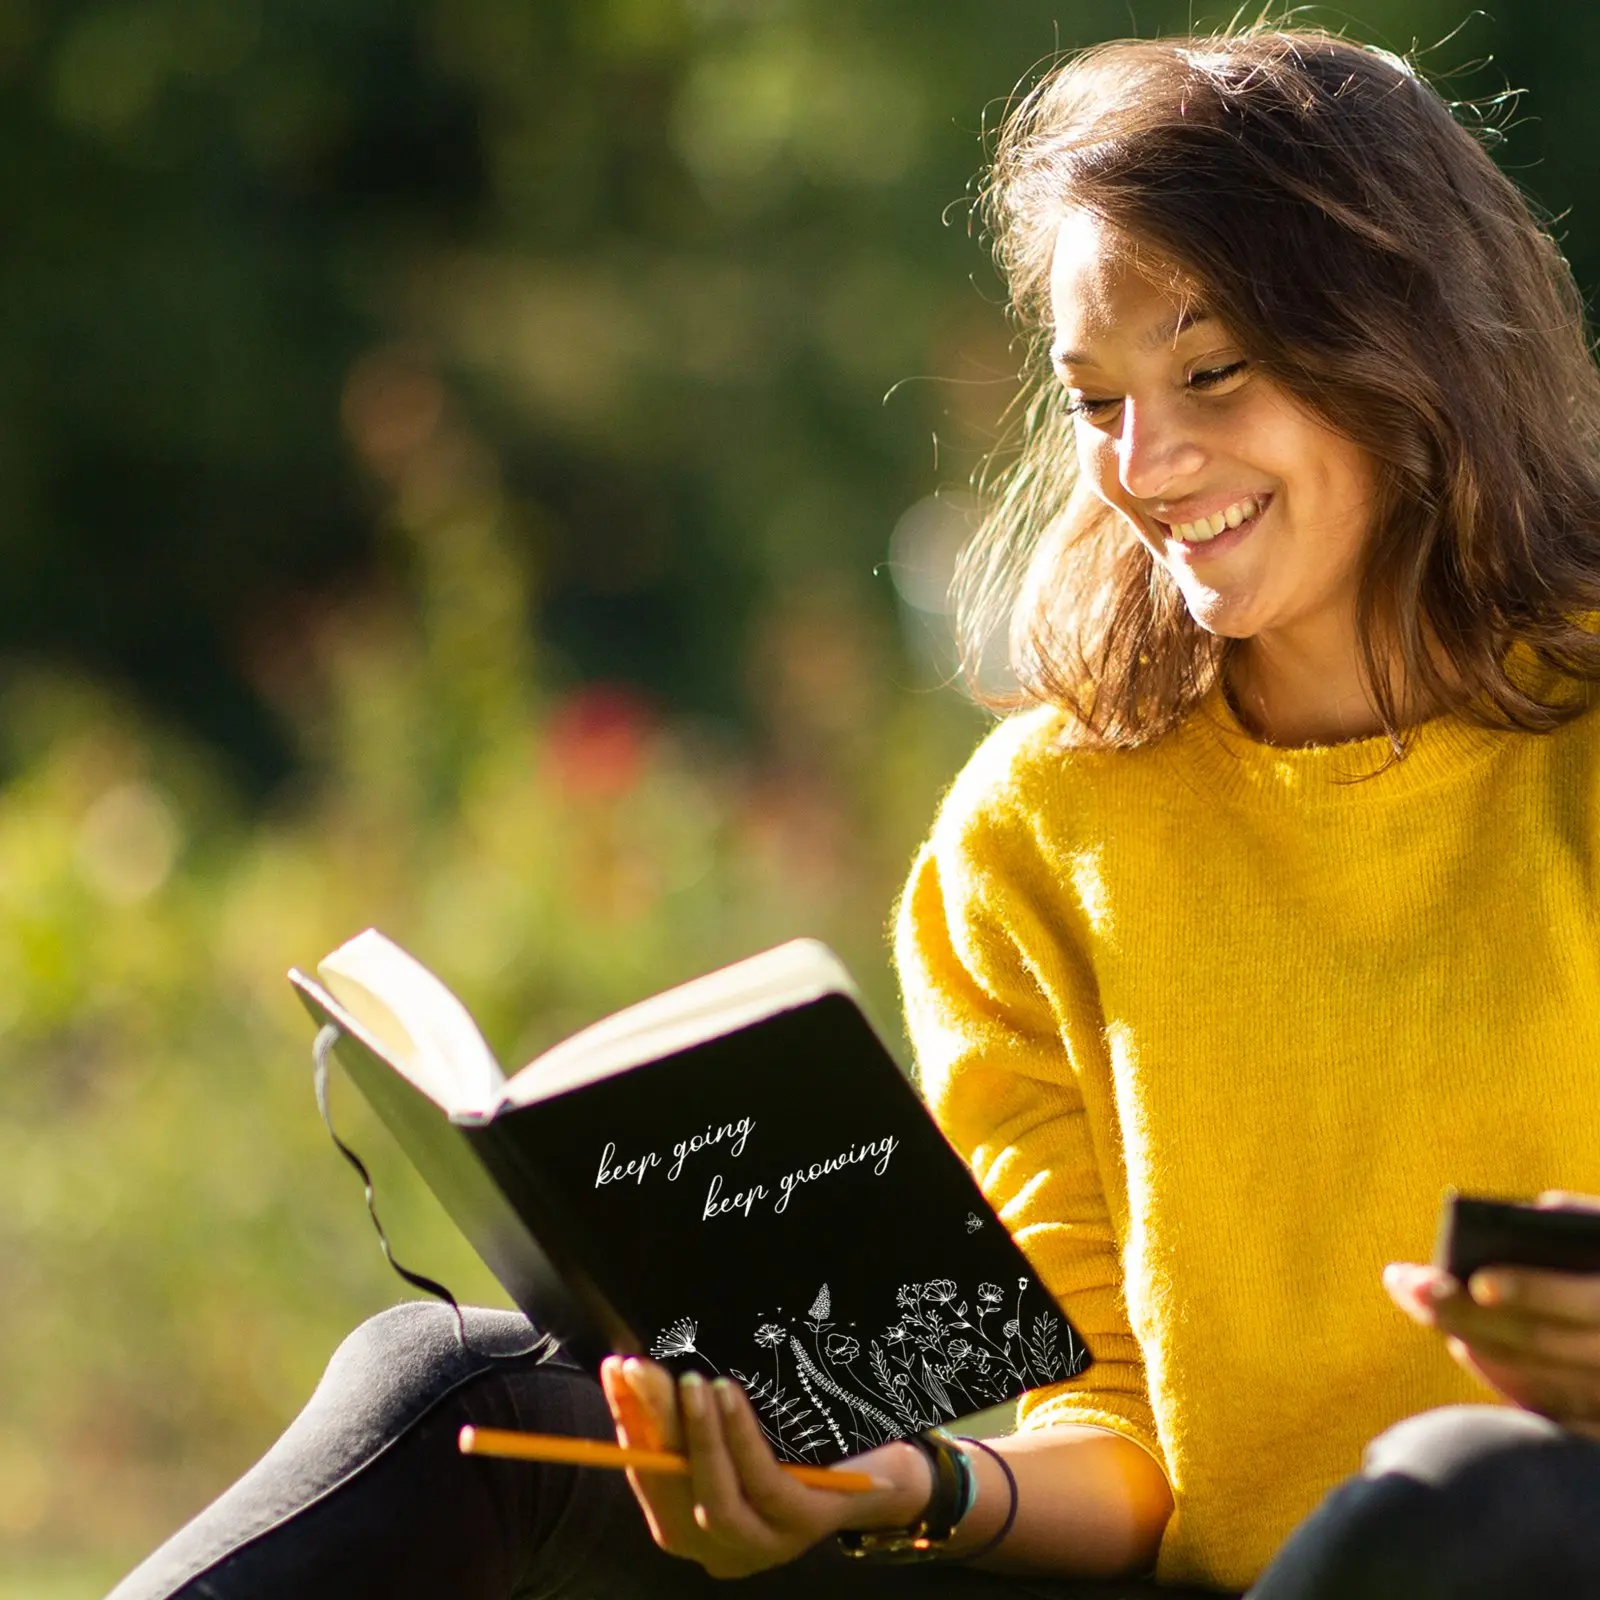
1168, 333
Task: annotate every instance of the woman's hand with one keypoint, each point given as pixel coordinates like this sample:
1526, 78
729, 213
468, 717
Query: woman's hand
738, 1512
1531, 1336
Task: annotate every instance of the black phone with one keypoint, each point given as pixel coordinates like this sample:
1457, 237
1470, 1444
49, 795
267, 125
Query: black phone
1475, 1232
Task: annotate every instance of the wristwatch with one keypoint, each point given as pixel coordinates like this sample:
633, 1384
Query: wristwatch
954, 1490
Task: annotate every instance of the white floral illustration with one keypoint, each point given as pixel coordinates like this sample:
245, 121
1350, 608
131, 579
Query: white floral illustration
676, 1339
941, 1355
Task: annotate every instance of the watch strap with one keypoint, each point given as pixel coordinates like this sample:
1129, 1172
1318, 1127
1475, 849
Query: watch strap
954, 1491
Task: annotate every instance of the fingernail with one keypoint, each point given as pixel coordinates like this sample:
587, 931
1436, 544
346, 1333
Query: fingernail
692, 1392
1440, 1288
1488, 1288
727, 1399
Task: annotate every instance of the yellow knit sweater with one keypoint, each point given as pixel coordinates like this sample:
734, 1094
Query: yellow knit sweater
1215, 1026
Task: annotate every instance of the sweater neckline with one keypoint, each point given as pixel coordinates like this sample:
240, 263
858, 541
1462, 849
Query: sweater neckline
1353, 772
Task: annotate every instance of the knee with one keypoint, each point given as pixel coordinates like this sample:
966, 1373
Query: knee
396, 1364
423, 1331
1454, 1448
1480, 1501
394, 1343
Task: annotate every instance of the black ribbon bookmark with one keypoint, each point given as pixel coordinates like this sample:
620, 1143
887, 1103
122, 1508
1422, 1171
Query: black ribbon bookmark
327, 1037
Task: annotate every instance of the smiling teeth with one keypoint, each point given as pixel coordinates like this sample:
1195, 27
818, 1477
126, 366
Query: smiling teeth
1209, 527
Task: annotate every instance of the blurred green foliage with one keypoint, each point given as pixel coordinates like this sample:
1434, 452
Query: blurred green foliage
447, 482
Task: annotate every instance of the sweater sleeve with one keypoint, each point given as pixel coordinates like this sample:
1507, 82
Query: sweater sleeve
993, 989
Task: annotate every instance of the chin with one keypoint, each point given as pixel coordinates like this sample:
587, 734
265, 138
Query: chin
1220, 619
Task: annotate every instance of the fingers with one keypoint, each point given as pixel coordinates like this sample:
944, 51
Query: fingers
1516, 1331
768, 1489
1534, 1337
1567, 1394
1419, 1290
711, 1472
721, 1507
1570, 1297
636, 1427
1524, 1294
1553, 1198
737, 1512
657, 1399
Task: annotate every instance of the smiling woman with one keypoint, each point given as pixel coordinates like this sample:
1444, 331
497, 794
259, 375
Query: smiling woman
1284, 274
1315, 463
1256, 510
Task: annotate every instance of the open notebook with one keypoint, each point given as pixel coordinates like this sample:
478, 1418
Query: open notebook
732, 1176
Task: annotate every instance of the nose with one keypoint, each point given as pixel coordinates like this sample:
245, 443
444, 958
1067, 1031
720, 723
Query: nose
1157, 449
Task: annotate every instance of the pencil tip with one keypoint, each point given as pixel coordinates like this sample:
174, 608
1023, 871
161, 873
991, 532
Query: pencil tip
467, 1439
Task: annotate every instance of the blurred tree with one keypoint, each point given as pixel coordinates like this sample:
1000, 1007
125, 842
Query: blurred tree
671, 254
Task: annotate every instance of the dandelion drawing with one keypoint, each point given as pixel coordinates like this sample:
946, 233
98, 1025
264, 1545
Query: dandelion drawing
676, 1339
769, 1335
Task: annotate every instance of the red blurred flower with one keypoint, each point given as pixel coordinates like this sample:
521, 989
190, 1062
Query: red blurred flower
599, 738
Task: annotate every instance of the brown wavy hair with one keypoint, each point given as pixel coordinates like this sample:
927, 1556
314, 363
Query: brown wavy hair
1397, 285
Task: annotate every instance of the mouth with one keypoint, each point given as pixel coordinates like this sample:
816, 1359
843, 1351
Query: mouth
1232, 520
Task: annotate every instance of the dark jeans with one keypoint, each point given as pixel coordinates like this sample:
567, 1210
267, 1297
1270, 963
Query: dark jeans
367, 1496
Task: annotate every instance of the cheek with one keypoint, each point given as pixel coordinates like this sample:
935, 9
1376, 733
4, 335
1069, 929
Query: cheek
1348, 500
1339, 473
1097, 463
1101, 470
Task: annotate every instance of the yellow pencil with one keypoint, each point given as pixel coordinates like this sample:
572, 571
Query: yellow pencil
598, 1453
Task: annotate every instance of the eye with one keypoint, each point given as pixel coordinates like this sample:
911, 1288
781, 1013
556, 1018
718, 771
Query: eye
1215, 377
1090, 409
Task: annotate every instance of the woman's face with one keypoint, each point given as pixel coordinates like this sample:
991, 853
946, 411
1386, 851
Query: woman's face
1259, 511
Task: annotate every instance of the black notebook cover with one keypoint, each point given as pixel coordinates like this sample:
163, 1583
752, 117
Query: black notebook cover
774, 1204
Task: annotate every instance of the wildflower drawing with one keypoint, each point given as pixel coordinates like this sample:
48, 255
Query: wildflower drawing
941, 1355
676, 1339
769, 1335
842, 1348
817, 1316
